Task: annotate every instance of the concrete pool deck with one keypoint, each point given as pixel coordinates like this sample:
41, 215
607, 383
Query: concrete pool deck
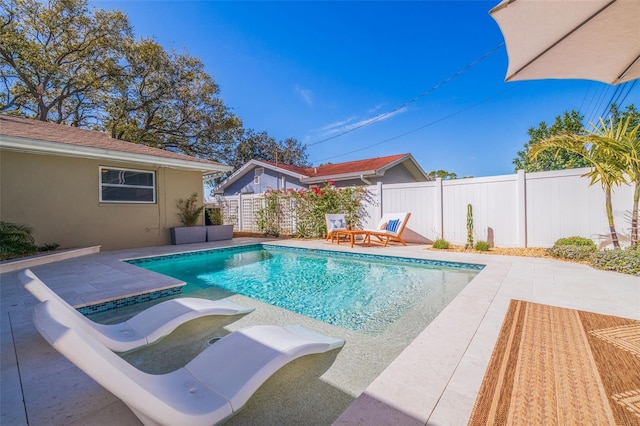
434, 380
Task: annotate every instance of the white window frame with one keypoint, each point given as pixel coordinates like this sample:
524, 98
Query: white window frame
101, 185
256, 180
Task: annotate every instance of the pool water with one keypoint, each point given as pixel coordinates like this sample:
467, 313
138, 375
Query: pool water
363, 293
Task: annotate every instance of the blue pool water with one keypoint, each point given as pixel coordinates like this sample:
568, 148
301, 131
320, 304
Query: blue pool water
359, 292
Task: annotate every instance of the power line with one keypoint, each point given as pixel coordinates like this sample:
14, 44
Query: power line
599, 102
628, 91
616, 95
415, 99
424, 126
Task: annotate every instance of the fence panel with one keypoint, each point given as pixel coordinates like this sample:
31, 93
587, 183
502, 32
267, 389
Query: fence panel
421, 201
493, 202
520, 210
563, 204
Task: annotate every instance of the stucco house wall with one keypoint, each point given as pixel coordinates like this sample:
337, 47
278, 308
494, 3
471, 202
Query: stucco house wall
59, 198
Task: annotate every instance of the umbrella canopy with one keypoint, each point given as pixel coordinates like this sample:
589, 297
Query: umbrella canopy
587, 39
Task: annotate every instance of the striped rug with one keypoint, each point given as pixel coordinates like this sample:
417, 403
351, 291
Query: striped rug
557, 366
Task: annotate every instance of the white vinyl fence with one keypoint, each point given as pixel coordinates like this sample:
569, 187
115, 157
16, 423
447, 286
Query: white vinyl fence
519, 210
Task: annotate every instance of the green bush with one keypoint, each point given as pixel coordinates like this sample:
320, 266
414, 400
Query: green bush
268, 217
15, 241
188, 210
441, 244
482, 246
48, 247
626, 261
574, 248
572, 252
215, 215
575, 241
309, 206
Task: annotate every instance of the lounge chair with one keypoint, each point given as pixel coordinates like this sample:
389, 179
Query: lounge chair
334, 223
391, 227
142, 329
208, 390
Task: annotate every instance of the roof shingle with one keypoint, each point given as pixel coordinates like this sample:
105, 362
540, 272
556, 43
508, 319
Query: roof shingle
52, 132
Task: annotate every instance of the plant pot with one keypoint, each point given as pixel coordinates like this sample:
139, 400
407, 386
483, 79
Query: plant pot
188, 234
219, 232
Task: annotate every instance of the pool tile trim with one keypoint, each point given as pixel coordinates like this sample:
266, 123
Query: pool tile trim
401, 259
128, 301
132, 300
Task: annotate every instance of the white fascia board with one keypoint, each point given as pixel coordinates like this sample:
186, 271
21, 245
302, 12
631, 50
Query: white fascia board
343, 176
70, 150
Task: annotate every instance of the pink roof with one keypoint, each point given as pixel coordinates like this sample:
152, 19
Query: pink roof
52, 132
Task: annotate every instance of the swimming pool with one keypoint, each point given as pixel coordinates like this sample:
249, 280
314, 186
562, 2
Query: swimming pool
359, 292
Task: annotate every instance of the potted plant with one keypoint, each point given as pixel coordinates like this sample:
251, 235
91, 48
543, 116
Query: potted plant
216, 231
189, 213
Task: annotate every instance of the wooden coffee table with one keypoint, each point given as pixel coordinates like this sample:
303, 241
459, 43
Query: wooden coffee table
351, 235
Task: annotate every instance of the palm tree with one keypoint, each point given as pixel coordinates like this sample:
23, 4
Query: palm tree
624, 139
607, 164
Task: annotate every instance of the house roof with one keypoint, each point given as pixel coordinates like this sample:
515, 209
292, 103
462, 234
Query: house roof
369, 167
28, 135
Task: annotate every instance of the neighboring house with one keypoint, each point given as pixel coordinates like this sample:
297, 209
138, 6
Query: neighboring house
257, 176
77, 187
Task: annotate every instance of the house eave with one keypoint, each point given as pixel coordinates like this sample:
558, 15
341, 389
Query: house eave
36, 146
256, 163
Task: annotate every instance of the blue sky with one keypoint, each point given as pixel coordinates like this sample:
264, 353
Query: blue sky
316, 71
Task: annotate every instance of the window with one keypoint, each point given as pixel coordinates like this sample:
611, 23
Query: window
257, 172
127, 186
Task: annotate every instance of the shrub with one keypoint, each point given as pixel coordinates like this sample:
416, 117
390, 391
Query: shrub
48, 247
574, 248
572, 252
15, 241
575, 241
215, 215
482, 246
626, 261
268, 217
309, 207
189, 212
441, 243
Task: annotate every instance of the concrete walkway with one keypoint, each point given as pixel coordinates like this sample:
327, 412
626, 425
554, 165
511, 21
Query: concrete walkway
434, 380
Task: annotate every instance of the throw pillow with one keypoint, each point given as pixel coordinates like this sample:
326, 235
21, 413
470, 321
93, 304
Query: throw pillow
393, 225
338, 224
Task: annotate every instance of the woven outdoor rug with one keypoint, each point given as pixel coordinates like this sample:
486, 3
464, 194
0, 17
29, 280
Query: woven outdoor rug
557, 366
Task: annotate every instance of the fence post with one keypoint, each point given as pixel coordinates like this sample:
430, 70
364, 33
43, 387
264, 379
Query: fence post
239, 213
380, 207
438, 206
521, 208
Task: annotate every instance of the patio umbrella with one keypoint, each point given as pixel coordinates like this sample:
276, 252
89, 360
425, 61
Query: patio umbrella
587, 39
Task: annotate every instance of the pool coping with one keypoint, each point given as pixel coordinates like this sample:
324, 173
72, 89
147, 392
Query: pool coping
434, 380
